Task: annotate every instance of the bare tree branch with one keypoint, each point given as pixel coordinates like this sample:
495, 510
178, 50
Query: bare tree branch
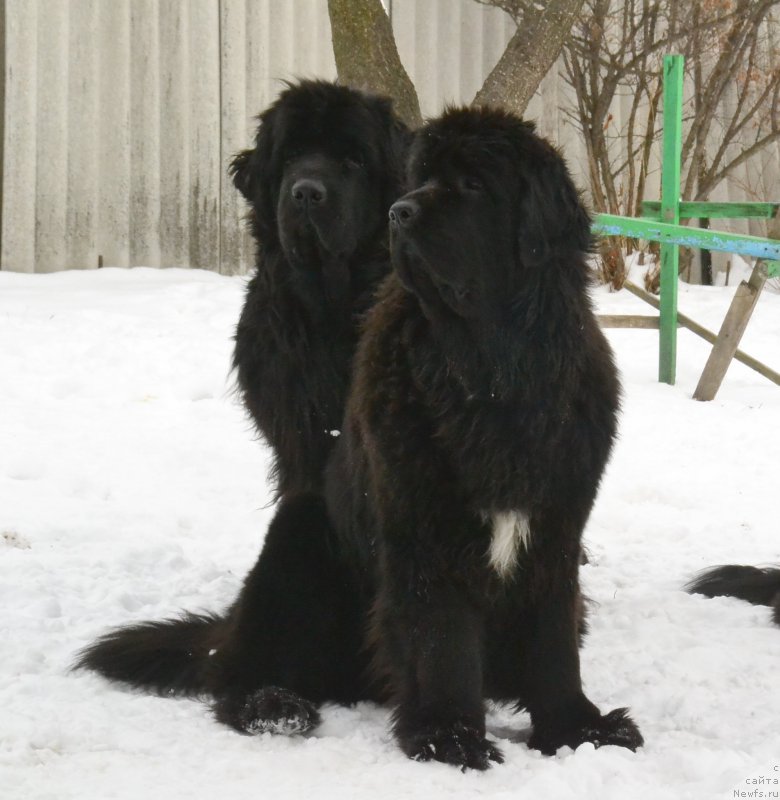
615, 51
745, 155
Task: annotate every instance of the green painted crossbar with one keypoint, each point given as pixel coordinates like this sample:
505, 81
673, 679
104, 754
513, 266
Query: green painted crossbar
638, 228
651, 209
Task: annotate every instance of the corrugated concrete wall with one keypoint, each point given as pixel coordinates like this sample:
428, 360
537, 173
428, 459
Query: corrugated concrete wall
121, 117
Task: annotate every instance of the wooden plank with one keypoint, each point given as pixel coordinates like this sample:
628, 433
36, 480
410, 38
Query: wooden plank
682, 320
628, 321
730, 335
651, 209
670, 214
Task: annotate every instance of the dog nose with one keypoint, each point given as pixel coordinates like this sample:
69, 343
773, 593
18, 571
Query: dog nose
309, 192
402, 212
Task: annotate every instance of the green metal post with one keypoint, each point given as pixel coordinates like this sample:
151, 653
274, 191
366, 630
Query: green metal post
670, 213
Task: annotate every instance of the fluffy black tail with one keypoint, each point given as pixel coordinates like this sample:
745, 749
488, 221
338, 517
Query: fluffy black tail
169, 657
759, 586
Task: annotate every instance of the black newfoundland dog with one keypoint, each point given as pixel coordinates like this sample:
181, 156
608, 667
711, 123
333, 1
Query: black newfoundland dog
480, 419
482, 415
327, 163
758, 585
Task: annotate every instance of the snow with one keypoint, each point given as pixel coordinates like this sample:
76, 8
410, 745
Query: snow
131, 487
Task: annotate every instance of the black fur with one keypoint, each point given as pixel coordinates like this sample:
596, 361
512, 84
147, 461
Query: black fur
318, 263
759, 586
169, 657
482, 386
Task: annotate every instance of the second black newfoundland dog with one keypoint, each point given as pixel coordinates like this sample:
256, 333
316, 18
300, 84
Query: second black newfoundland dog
480, 419
327, 163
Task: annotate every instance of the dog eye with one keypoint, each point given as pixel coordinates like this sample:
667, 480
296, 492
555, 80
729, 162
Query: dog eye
472, 184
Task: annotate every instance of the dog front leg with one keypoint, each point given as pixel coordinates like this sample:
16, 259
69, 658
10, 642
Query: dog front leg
552, 690
432, 638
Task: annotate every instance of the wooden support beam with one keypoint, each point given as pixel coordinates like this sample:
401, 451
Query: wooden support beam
682, 320
629, 321
730, 335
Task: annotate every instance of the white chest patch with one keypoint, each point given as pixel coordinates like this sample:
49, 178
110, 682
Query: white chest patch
511, 531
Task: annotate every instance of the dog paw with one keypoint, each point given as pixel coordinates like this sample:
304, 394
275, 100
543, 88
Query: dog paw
269, 710
615, 728
458, 744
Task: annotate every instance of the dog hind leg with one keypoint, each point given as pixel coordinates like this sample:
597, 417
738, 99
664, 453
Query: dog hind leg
295, 637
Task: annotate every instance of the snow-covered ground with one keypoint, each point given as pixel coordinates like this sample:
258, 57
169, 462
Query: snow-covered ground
130, 487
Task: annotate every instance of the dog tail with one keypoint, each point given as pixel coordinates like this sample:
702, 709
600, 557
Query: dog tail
759, 586
169, 657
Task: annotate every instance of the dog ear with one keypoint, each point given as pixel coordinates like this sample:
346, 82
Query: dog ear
553, 218
252, 174
248, 168
240, 170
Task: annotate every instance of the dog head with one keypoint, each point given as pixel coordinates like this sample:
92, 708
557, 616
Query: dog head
493, 208
326, 165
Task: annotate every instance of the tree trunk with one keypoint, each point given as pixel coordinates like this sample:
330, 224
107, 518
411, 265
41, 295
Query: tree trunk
706, 258
530, 54
367, 57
